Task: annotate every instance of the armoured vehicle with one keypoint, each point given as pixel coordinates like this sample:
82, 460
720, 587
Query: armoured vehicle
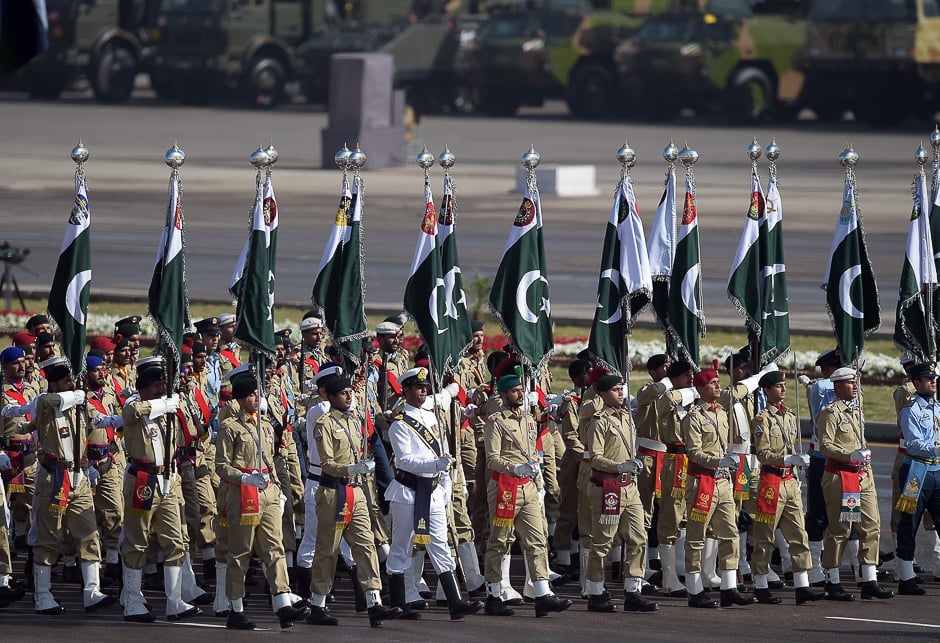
733, 57
878, 58
105, 40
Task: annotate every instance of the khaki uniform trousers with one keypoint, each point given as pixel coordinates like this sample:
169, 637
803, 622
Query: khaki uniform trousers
529, 525
199, 510
282, 467
163, 520
379, 528
358, 535
109, 505
463, 528
721, 523
671, 510
838, 532
221, 525
78, 520
6, 560
630, 527
468, 458
646, 486
585, 526
264, 539
21, 502
568, 501
480, 518
789, 520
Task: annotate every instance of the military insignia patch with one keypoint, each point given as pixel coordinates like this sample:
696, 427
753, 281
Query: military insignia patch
79, 212
446, 215
430, 219
526, 213
270, 210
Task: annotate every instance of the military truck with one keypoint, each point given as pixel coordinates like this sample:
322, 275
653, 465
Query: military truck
104, 40
878, 58
733, 57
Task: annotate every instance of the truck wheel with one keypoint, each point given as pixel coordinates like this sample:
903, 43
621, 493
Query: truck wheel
591, 93
46, 87
266, 80
750, 97
113, 71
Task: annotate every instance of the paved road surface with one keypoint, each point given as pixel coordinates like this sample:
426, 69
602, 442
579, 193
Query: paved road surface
127, 189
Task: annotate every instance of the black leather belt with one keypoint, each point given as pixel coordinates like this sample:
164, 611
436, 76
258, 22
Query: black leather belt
410, 480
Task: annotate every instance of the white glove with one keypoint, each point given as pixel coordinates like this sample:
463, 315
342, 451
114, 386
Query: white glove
442, 464
688, 395
361, 468
368, 466
796, 460
255, 479
453, 389
164, 405
93, 476
861, 455
282, 499
559, 399
15, 410
532, 398
666, 383
68, 399
630, 466
770, 368
729, 461
263, 405
804, 380
527, 470
750, 383
108, 421
551, 409
5, 464
469, 412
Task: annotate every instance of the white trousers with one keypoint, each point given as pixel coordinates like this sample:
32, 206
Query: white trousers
403, 533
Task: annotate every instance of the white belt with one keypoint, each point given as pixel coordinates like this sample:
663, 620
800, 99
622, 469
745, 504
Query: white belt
653, 445
739, 448
902, 444
314, 469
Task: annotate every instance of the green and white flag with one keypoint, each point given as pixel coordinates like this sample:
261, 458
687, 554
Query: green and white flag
686, 321
460, 333
326, 284
71, 286
167, 301
253, 280
662, 252
519, 298
918, 281
934, 225
851, 291
350, 324
744, 281
624, 286
775, 308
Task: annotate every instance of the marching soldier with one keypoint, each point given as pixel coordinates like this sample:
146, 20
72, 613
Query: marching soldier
570, 463
849, 489
229, 352
63, 498
38, 324
616, 507
210, 334
45, 346
152, 494
123, 375
20, 448
514, 496
129, 328
709, 493
419, 496
312, 332
244, 460
342, 507
779, 499
471, 375
919, 490
32, 378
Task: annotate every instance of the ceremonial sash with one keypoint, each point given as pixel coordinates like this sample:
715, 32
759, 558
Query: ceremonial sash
423, 486
539, 448
657, 467
203, 406
144, 484
703, 499
17, 483
907, 502
742, 478
507, 488
232, 357
393, 382
768, 496
679, 475
250, 502
345, 502
312, 363
19, 398
610, 511
118, 390
851, 507
61, 488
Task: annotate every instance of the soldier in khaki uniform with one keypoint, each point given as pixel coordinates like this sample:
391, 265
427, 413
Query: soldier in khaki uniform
779, 503
230, 356
63, 500
152, 493
20, 448
342, 507
472, 374
515, 500
313, 356
616, 507
123, 375
671, 407
32, 378
570, 463
709, 495
849, 490
487, 402
244, 460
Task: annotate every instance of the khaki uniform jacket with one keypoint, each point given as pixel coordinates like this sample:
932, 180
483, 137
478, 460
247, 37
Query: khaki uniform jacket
51, 425
612, 439
840, 431
669, 416
137, 426
504, 437
706, 434
647, 418
340, 442
775, 435
237, 447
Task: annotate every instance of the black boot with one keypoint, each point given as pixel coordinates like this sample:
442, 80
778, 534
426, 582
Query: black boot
71, 574
496, 607
11, 594
764, 597
731, 597
834, 592
304, 576
112, 573
379, 613
457, 606
396, 591
208, 571
357, 590
287, 615
615, 574
321, 616
910, 587
28, 569
601, 603
544, 605
634, 602
702, 599
238, 621
872, 589
807, 595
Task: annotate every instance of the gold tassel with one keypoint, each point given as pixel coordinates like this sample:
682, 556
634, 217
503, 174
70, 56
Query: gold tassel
422, 539
503, 522
767, 519
609, 520
906, 505
16, 488
850, 516
742, 495
57, 509
250, 520
678, 493
659, 493
698, 516
223, 521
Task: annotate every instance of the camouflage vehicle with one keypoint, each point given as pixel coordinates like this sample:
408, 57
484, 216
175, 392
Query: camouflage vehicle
734, 58
878, 58
522, 57
105, 40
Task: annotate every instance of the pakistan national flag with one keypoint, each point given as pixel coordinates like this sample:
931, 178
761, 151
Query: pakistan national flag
253, 280
167, 296
624, 286
851, 291
775, 310
68, 297
686, 315
744, 280
662, 250
918, 280
459, 333
519, 299
935, 234
327, 282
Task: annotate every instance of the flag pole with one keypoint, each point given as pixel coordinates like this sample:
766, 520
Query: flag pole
927, 253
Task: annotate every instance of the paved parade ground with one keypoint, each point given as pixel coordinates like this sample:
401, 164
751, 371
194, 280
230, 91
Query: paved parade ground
127, 182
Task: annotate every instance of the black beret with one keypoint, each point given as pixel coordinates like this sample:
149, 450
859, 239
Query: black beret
656, 361
770, 379
336, 384
244, 384
830, 358
578, 367
678, 368
608, 382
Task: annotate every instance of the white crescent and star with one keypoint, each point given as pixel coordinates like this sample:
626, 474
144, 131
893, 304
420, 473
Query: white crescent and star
614, 276
432, 304
845, 287
73, 295
688, 287
522, 292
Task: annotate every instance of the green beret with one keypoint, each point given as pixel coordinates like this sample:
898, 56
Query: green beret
608, 382
507, 382
770, 379
476, 325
